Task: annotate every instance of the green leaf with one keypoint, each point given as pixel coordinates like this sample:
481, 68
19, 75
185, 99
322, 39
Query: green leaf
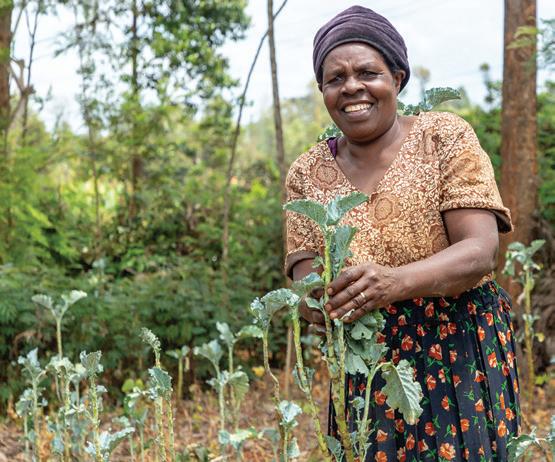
517, 446
73, 297
335, 447
289, 412
249, 331
211, 351
341, 240
91, 362
331, 131
551, 437
435, 96
313, 304
148, 337
239, 381
354, 364
160, 380
237, 439
358, 403
403, 392
340, 205
24, 405
360, 331
313, 210
226, 335
264, 309
43, 300
307, 284
535, 246
293, 450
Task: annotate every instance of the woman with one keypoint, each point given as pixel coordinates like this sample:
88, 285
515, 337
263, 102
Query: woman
425, 249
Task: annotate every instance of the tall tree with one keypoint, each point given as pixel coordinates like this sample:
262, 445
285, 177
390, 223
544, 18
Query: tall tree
166, 52
519, 183
6, 9
280, 157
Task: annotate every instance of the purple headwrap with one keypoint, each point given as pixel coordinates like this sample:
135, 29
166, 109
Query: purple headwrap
359, 24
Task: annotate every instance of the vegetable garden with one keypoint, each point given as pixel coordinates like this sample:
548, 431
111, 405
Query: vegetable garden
134, 324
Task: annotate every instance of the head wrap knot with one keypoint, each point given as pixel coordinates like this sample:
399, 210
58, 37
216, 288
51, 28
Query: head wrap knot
359, 24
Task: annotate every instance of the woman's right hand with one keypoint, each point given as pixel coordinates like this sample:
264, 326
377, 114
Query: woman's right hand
315, 318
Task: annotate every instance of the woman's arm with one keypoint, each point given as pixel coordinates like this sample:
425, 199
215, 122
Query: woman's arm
472, 254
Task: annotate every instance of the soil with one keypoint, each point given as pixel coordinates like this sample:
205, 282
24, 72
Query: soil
197, 423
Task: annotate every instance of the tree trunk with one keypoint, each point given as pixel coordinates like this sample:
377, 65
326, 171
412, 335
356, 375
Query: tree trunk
280, 151
26, 93
518, 131
5, 54
137, 163
231, 163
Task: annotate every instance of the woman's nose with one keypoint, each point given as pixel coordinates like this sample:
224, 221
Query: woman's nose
352, 84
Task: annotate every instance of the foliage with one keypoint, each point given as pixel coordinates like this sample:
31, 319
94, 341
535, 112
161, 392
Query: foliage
348, 348
520, 446
525, 274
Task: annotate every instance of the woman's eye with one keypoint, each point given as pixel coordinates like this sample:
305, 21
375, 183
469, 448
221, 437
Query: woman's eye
369, 73
334, 79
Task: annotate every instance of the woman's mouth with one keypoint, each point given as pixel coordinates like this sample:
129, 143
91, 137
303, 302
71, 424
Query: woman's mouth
357, 107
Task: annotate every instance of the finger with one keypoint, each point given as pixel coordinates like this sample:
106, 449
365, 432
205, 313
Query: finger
359, 313
347, 277
351, 292
350, 308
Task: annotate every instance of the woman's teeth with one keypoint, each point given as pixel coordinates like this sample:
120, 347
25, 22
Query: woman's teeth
357, 107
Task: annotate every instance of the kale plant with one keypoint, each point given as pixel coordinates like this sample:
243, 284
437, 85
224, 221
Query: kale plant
349, 348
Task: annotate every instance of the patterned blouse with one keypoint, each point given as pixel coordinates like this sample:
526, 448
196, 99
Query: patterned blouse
440, 166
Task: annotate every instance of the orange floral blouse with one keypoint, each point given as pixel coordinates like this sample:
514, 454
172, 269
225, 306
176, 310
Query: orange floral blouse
440, 166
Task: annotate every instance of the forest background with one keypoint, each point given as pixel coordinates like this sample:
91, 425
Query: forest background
130, 209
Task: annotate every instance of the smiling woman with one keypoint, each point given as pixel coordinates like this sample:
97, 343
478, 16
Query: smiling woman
424, 253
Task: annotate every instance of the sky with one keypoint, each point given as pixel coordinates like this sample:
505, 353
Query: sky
451, 38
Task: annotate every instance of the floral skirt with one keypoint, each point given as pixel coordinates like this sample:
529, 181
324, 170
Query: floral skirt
463, 352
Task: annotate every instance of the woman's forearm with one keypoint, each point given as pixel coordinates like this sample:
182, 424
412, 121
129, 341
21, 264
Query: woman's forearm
450, 272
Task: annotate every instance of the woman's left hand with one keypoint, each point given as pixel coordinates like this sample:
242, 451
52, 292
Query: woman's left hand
360, 289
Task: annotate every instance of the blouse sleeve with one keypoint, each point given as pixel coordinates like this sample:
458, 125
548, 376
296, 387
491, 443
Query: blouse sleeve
303, 235
467, 177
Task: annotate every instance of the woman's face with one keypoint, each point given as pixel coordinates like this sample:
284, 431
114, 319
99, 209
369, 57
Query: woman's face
360, 92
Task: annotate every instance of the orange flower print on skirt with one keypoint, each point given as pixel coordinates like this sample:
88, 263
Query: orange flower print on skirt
463, 352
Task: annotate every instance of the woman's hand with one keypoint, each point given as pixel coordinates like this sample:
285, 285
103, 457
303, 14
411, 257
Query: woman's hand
359, 289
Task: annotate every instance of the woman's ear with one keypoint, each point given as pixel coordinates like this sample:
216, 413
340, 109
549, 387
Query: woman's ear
320, 87
398, 78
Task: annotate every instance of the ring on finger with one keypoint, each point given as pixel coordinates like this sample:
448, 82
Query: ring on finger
359, 300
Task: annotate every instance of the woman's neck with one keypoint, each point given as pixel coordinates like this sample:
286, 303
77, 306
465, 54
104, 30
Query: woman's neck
376, 147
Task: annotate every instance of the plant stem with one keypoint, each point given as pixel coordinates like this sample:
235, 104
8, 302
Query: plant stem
529, 335
232, 399
362, 435
59, 337
159, 417
337, 370
285, 445
305, 387
169, 416
26, 433
96, 423
36, 423
67, 408
142, 440
180, 379
274, 379
131, 448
